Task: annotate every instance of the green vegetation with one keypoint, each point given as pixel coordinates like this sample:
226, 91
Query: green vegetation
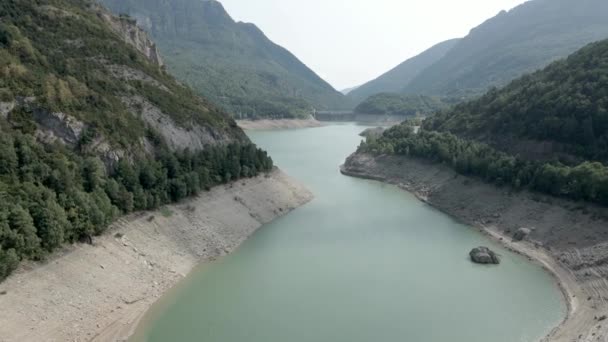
396, 79
45, 54
587, 181
56, 53
400, 105
233, 64
503, 48
51, 195
526, 38
563, 105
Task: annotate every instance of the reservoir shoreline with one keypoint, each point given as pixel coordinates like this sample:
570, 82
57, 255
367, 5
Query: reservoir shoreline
266, 124
100, 292
576, 262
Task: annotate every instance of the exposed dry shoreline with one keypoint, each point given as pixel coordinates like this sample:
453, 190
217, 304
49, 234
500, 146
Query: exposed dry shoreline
252, 125
568, 239
101, 292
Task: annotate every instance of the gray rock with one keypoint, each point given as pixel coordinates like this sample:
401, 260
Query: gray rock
521, 234
483, 255
373, 133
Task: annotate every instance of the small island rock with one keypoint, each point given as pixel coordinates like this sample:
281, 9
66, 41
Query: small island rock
483, 255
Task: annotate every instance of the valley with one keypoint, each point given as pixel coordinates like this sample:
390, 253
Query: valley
172, 171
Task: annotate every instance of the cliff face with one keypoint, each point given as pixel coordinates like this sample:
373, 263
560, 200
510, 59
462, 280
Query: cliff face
105, 78
93, 128
233, 63
132, 34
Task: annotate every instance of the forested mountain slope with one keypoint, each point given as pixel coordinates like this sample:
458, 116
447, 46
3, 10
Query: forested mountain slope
92, 127
232, 63
547, 131
512, 43
395, 80
559, 111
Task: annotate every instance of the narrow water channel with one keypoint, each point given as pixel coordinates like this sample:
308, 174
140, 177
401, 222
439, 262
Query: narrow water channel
363, 262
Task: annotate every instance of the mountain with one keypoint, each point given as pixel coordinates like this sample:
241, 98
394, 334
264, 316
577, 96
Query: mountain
92, 127
560, 112
513, 43
546, 131
395, 80
232, 63
400, 105
348, 90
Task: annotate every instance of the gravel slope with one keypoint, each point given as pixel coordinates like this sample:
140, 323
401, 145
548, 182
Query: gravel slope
100, 292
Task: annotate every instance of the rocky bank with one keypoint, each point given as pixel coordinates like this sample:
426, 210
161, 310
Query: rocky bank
264, 124
100, 292
567, 238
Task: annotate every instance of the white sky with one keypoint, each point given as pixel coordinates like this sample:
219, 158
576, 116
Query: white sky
349, 42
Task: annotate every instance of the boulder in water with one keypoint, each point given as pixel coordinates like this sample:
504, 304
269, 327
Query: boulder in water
483, 255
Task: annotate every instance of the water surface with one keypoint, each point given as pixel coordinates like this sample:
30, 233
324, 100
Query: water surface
363, 262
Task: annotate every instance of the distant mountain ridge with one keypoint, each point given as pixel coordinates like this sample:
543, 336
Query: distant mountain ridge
513, 43
232, 63
395, 80
522, 40
348, 90
546, 131
560, 112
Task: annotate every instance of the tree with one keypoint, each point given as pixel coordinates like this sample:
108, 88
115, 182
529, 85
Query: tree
51, 222
26, 242
93, 174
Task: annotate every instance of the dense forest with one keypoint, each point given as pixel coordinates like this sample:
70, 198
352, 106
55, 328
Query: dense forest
51, 195
587, 181
566, 104
232, 63
400, 105
73, 155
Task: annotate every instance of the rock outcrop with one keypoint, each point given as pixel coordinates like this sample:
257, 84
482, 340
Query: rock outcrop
58, 126
132, 34
372, 132
177, 137
5, 108
521, 234
483, 255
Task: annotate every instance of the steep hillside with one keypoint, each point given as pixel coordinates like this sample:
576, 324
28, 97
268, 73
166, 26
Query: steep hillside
547, 131
400, 105
234, 64
395, 80
559, 112
91, 127
505, 47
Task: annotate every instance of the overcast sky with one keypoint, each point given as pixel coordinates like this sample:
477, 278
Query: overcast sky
349, 42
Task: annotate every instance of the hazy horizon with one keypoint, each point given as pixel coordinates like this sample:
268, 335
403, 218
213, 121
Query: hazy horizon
329, 37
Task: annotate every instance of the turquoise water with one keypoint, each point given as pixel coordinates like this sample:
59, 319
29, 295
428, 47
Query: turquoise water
363, 262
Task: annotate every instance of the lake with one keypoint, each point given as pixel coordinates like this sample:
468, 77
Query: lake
362, 262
